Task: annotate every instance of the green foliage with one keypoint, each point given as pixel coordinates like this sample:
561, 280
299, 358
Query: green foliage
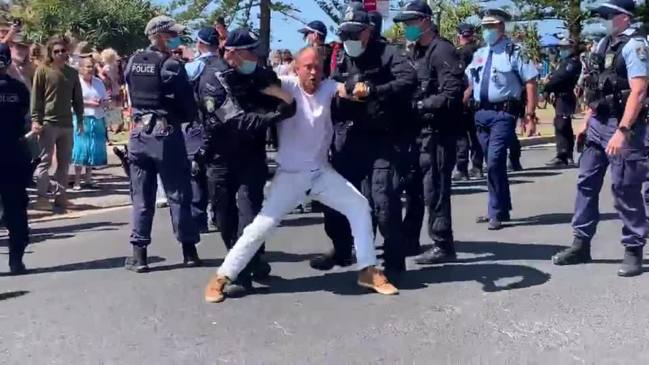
527, 35
453, 12
572, 12
395, 34
104, 23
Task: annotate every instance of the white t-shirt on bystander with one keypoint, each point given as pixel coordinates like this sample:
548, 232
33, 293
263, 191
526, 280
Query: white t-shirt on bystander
94, 91
304, 139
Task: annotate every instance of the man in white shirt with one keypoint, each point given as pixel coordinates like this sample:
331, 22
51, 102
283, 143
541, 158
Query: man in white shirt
304, 173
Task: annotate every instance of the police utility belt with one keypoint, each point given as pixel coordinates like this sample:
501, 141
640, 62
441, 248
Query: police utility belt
514, 107
149, 122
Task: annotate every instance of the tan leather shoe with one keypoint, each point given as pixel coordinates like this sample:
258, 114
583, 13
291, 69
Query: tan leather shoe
374, 279
214, 290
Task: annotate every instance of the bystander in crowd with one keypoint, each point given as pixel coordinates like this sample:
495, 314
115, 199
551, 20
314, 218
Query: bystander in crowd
90, 140
56, 94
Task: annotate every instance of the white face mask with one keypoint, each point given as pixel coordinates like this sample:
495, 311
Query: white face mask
608, 25
353, 48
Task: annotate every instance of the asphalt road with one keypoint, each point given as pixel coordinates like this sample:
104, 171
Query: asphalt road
503, 302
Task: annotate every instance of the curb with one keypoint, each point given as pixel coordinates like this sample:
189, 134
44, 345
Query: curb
79, 214
535, 141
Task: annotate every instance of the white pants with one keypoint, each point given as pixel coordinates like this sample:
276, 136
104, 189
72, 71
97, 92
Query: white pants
287, 191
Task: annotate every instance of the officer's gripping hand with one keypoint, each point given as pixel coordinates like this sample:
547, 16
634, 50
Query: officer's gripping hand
362, 90
37, 128
342, 90
277, 92
287, 110
616, 143
265, 77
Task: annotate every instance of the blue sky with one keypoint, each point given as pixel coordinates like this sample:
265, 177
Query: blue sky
284, 29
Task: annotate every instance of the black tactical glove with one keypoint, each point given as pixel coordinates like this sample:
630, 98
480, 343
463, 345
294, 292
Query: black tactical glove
265, 77
287, 110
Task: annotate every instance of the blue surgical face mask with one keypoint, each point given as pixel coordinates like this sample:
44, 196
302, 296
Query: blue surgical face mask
490, 36
412, 33
353, 48
247, 67
173, 43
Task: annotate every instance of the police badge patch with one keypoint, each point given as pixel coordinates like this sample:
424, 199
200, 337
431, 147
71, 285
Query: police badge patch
642, 52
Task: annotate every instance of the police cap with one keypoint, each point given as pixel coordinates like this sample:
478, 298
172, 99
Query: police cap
5, 55
315, 26
414, 10
241, 38
466, 29
163, 24
355, 21
495, 16
208, 36
612, 8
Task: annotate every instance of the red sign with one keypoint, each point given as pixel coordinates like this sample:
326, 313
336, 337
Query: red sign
370, 5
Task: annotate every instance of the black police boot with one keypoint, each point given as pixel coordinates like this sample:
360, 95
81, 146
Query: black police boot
328, 260
190, 256
261, 270
514, 166
137, 263
16, 265
476, 173
240, 287
440, 253
632, 262
578, 253
570, 162
557, 163
461, 175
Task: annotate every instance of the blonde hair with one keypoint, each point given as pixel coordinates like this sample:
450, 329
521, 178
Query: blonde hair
109, 56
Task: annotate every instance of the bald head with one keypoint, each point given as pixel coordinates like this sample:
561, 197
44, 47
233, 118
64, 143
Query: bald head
308, 66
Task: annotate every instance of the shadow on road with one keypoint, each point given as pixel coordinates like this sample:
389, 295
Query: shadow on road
554, 218
279, 256
499, 251
532, 173
489, 275
100, 264
68, 231
12, 294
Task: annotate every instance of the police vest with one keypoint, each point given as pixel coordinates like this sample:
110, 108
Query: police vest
377, 118
613, 80
145, 80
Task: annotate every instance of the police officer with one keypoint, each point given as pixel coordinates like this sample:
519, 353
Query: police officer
315, 34
237, 114
207, 44
497, 76
468, 145
162, 99
562, 84
14, 157
440, 75
378, 80
615, 133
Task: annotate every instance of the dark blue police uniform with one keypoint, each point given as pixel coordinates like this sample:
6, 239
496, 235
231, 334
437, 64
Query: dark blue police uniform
620, 58
162, 99
498, 74
373, 134
14, 157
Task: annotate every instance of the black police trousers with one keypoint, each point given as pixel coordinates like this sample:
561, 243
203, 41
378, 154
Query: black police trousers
369, 162
468, 145
199, 199
436, 162
565, 136
15, 201
515, 149
414, 196
236, 193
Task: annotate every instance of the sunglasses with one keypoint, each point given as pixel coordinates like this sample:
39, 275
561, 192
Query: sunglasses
59, 51
349, 36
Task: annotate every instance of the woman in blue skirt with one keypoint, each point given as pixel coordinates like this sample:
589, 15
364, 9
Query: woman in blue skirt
90, 146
